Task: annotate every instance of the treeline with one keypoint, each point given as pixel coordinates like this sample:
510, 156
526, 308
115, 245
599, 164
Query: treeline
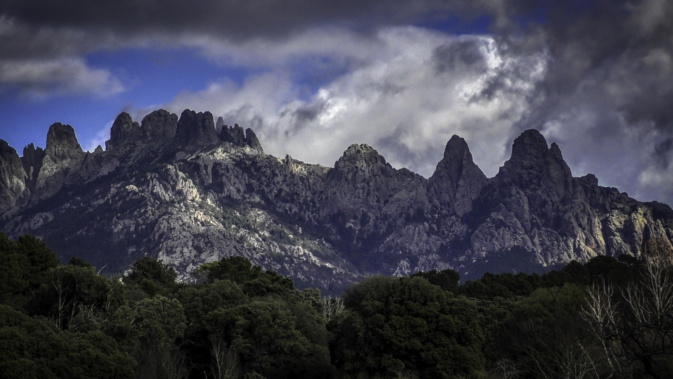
606, 318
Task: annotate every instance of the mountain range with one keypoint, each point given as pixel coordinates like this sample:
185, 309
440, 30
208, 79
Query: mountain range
188, 190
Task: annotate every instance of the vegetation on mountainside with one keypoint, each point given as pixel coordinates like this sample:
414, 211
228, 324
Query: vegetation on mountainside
606, 318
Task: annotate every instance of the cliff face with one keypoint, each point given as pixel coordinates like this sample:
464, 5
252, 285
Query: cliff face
12, 178
187, 192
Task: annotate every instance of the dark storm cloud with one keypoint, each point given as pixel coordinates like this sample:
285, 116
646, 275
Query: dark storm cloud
302, 117
20, 41
661, 149
609, 69
621, 47
594, 75
463, 54
37, 34
236, 20
307, 113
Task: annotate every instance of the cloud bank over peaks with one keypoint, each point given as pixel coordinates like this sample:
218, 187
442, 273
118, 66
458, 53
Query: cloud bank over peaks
313, 77
407, 95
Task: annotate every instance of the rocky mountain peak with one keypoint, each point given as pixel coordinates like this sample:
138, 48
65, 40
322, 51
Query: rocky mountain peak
236, 136
124, 131
457, 180
558, 171
5, 149
252, 141
533, 163
196, 129
360, 156
322, 225
358, 161
555, 151
8, 156
62, 143
457, 149
529, 146
363, 167
62, 156
11, 176
160, 125
232, 134
32, 163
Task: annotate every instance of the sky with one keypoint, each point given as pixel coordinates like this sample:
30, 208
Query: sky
312, 77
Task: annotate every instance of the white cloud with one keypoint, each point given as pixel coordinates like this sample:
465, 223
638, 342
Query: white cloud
394, 99
46, 78
397, 99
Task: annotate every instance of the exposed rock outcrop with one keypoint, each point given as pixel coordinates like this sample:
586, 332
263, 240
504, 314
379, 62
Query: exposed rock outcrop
252, 141
237, 137
160, 126
32, 161
62, 156
124, 133
196, 129
457, 180
12, 177
232, 134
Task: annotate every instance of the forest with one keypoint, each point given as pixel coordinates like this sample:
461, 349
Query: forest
606, 318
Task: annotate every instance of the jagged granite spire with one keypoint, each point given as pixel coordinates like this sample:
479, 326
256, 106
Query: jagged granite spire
457, 180
232, 134
236, 136
32, 161
252, 141
12, 176
196, 129
160, 125
528, 147
62, 142
534, 164
124, 132
192, 199
62, 156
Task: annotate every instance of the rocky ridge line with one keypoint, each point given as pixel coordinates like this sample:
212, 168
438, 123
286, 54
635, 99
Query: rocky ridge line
188, 190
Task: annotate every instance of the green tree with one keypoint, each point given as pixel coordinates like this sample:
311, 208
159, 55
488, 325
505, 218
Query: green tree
23, 271
72, 291
152, 277
406, 326
544, 334
35, 348
273, 337
252, 279
237, 269
151, 330
446, 279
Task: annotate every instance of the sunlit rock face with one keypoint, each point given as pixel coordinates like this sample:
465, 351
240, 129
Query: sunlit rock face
188, 191
62, 158
12, 177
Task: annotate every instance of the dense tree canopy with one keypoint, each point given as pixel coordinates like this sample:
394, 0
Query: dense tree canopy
406, 325
604, 318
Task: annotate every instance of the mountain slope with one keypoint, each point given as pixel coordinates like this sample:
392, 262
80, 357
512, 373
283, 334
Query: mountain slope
187, 191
